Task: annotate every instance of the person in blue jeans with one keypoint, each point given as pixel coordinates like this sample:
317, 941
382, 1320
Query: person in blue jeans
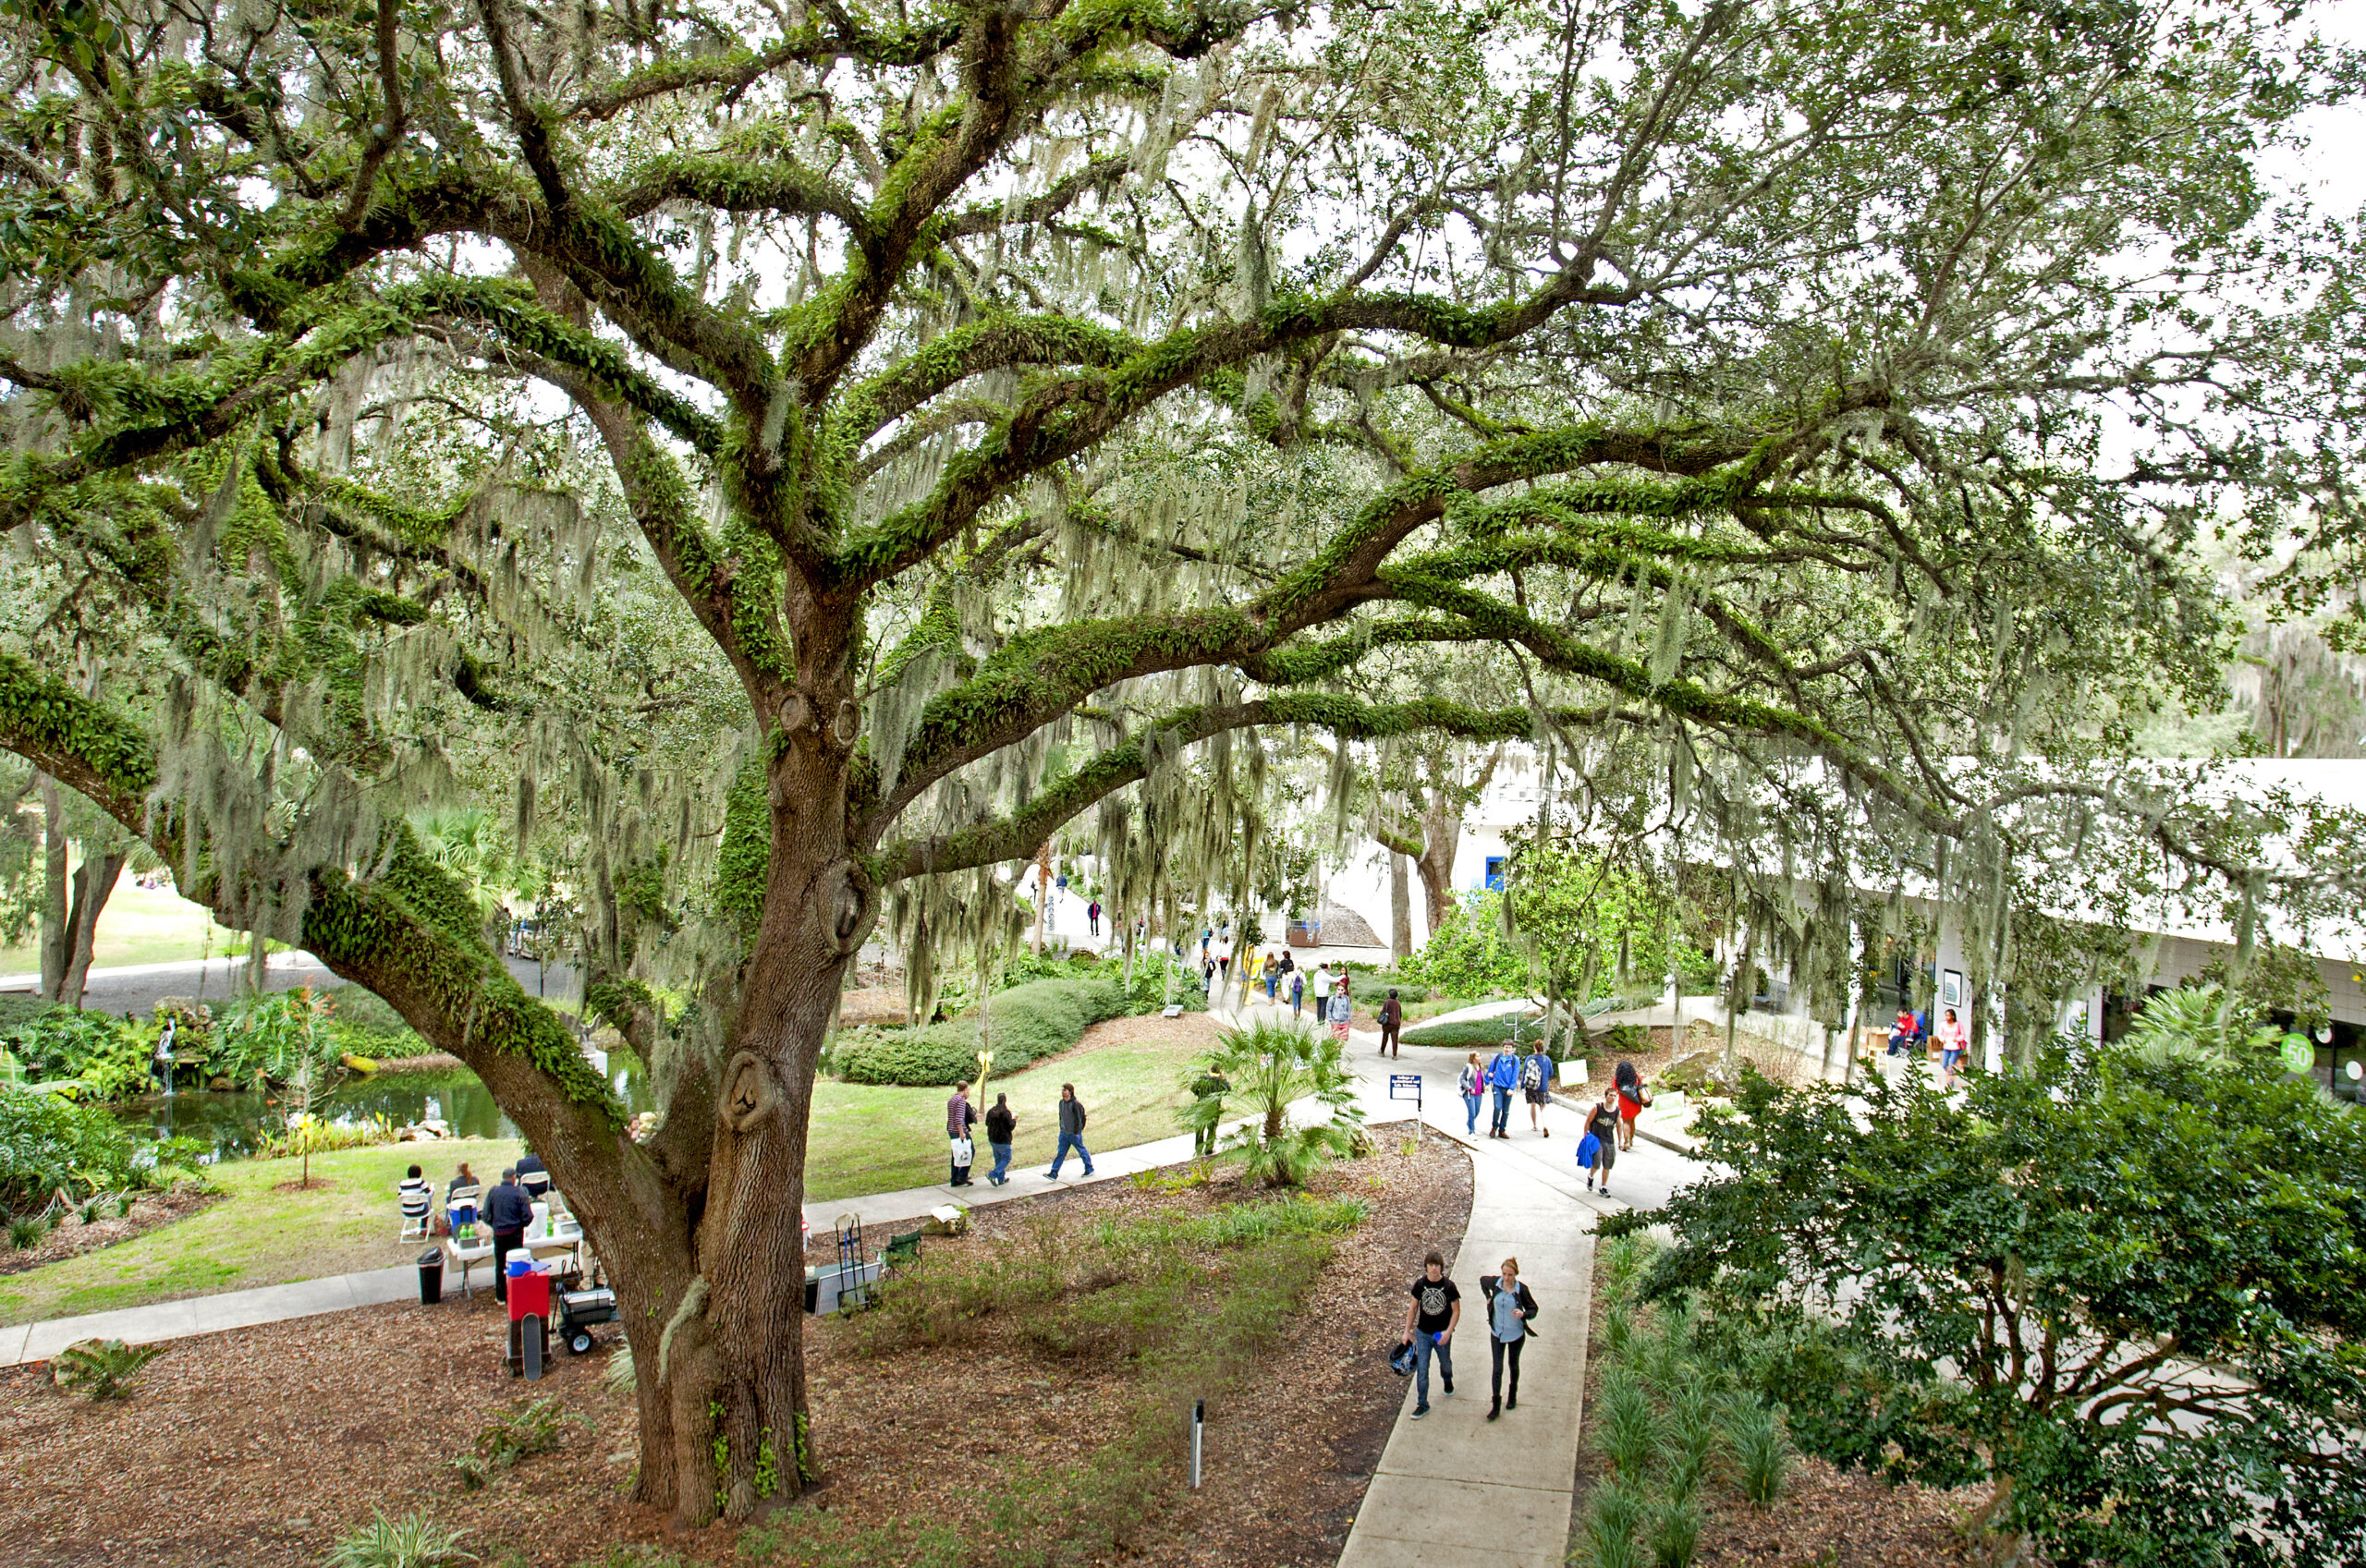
1430, 1319
1071, 1133
1503, 1075
1001, 1126
1473, 1090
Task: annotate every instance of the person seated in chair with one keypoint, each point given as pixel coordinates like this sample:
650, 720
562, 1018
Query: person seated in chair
531, 1176
461, 1200
418, 1197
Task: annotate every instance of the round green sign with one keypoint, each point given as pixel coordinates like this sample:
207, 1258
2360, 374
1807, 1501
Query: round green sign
2299, 1055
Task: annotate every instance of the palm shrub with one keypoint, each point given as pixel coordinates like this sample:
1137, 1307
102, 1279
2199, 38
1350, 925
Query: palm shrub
411, 1541
1272, 1065
1675, 1531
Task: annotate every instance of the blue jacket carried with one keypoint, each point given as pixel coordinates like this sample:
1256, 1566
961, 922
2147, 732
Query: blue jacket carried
1504, 1071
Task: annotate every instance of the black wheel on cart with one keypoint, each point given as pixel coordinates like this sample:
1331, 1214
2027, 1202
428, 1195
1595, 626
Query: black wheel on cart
579, 1341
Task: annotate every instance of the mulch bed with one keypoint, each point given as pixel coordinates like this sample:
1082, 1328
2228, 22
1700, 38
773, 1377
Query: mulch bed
262, 1446
73, 1237
1824, 1517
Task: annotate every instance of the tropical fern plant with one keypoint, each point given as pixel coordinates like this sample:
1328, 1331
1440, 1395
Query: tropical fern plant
102, 1368
1274, 1066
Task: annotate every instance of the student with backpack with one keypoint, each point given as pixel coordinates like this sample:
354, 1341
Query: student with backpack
1502, 1075
1536, 1086
1599, 1152
1511, 1312
1632, 1098
1071, 1133
1473, 1088
1297, 992
1430, 1321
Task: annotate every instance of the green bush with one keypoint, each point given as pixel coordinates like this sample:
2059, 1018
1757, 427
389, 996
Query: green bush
1372, 989
1469, 954
1475, 1034
367, 1025
101, 1049
1030, 1022
49, 1144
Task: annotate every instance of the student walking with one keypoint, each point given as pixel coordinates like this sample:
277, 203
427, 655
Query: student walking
1502, 1075
1536, 1086
1473, 1088
1093, 917
959, 1117
1631, 1101
1297, 993
1001, 1126
1210, 1085
1599, 1152
1955, 1045
1511, 1307
1071, 1133
1430, 1320
1343, 1007
1392, 1018
1274, 975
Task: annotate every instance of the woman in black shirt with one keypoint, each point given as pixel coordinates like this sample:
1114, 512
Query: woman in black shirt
1604, 1124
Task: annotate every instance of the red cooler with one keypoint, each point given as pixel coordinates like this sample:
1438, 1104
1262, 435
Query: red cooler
530, 1323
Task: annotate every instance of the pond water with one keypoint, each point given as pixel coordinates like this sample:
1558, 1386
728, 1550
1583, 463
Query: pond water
232, 1123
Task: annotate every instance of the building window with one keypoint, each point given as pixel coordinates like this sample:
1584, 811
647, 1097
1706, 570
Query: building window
1494, 874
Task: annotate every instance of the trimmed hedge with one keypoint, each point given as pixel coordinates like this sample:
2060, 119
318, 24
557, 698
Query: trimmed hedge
1473, 1034
1031, 1022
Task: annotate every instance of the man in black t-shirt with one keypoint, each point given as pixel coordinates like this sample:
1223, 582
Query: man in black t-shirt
1435, 1308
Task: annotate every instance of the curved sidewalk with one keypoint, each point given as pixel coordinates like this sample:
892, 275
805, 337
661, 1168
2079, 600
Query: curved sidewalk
1454, 1482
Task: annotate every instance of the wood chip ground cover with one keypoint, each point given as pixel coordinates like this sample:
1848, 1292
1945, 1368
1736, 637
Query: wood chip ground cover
262, 1446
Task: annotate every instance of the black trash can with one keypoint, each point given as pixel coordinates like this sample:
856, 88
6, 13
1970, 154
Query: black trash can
431, 1277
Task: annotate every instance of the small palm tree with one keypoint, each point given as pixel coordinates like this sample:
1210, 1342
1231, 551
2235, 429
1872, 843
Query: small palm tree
467, 843
1272, 1065
2201, 1023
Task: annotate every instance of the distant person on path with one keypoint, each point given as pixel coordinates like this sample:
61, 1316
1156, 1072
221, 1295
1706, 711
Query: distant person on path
1536, 1086
1601, 1133
1430, 1320
1210, 1085
1071, 1133
1510, 1305
1631, 1101
1503, 1075
417, 1195
1320, 987
1223, 956
1955, 1045
1273, 967
1000, 1127
1093, 917
1297, 992
1343, 1008
1207, 935
1901, 1033
1392, 1018
507, 1214
959, 1117
1473, 1088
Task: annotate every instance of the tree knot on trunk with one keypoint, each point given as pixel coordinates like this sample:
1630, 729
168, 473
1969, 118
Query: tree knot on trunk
851, 900
752, 1093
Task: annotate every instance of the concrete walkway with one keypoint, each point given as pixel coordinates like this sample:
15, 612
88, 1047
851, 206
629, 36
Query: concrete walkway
1454, 1482
209, 1314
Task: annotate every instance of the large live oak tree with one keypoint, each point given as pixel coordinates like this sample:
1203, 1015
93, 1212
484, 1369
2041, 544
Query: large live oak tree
1833, 381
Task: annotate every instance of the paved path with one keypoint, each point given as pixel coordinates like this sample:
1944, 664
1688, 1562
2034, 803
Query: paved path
209, 1314
1454, 1482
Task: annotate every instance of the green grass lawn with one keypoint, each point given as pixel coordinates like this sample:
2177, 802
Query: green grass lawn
139, 926
873, 1138
865, 1138
254, 1235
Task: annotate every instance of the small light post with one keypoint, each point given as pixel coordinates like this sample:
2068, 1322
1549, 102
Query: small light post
1199, 1428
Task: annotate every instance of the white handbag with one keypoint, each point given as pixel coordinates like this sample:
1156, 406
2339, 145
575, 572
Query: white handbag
964, 1151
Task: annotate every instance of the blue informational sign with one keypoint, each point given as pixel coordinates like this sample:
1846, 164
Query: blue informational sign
1400, 1083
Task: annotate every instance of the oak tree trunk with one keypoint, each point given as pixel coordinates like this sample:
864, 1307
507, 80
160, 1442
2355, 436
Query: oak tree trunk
1400, 912
57, 939
93, 881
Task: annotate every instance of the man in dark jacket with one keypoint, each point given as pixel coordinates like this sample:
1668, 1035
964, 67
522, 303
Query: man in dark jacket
532, 1179
507, 1212
1001, 1125
1071, 1133
1392, 1017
